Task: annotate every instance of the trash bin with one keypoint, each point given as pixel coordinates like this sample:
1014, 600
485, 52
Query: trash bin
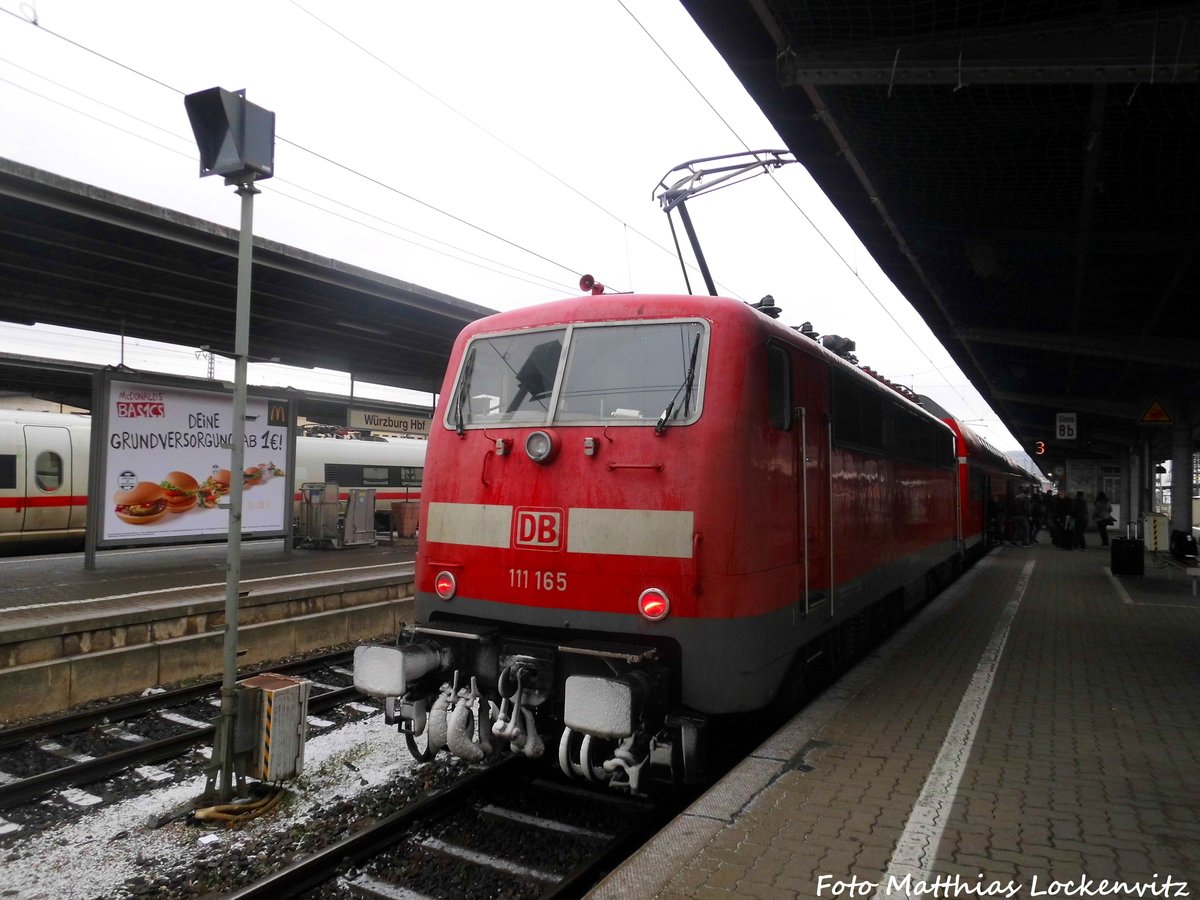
405, 516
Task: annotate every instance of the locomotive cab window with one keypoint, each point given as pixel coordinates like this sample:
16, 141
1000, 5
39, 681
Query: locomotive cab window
632, 373
48, 471
622, 373
507, 378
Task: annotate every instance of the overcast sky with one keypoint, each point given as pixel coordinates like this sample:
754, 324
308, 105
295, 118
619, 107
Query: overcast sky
490, 151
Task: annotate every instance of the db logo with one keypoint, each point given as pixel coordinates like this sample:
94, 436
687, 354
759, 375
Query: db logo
538, 529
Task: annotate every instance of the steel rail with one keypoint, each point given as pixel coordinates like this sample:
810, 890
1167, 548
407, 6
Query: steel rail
323, 865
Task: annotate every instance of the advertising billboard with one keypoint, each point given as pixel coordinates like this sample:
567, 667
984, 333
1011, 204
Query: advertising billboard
165, 451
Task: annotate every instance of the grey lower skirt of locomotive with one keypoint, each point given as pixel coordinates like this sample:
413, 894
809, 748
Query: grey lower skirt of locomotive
600, 708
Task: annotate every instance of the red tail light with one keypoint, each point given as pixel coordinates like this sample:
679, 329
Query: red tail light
653, 604
444, 585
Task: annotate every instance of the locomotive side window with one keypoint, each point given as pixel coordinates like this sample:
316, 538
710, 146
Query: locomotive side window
8, 471
779, 387
48, 471
632, 373
858, 414
863, 420
847, 410
871, 420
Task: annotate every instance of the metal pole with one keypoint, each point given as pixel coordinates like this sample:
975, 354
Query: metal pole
241, 349
1181, 471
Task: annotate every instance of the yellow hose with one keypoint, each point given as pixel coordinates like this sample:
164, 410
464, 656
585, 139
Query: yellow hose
234, 814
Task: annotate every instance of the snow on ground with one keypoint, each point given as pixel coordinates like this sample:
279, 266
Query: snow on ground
93, 856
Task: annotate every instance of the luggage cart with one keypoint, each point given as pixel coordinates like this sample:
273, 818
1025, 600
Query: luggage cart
328, 523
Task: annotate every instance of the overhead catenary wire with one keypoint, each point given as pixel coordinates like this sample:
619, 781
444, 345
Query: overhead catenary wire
825, 238
567, 286
30, 18
574, 270
474, 124
458, 255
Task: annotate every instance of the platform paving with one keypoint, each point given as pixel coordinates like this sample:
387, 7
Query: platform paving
31, 585
1035, 731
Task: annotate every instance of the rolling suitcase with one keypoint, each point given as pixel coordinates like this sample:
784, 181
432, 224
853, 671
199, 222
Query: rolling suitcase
1128, 557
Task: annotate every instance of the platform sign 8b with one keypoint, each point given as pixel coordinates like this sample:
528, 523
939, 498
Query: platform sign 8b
1066, 428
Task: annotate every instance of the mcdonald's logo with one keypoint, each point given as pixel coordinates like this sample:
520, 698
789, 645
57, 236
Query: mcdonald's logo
277, 414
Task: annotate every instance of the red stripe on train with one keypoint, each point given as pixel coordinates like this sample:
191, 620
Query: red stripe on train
379, 496
40, 502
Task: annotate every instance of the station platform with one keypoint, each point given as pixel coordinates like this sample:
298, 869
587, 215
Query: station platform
155, 616
1034, 731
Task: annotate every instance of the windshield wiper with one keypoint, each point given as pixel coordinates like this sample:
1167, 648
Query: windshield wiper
685, 388
463, 391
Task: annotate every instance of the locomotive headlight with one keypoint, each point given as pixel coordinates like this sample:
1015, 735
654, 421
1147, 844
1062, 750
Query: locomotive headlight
653, 604
541, 446
445, 585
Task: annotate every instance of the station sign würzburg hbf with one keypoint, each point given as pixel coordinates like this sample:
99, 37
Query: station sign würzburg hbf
394, 423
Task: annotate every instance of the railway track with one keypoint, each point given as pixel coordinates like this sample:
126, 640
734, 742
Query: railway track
108, 742
501, 831
511, 830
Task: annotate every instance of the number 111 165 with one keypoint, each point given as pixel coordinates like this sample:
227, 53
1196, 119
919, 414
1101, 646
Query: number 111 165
525, 579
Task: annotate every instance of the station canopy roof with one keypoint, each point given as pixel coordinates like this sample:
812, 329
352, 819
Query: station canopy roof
1028, 176
76, 256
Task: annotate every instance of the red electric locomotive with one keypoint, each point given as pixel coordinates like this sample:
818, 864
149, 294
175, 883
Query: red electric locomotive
644, 512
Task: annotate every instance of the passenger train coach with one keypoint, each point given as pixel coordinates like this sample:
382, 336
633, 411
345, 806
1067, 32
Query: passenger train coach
984, 473
44, 473
643, 513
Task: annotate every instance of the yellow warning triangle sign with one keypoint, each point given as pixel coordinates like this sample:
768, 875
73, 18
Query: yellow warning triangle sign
1156, 414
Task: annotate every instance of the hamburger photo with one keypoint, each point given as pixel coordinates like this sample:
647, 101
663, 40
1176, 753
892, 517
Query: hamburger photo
144, 504
181, 490
218, 482
251, 476
261, 473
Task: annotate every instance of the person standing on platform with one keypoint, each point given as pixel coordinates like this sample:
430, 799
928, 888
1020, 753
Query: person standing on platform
1061, 527
995, 519
1079, 512
1037, 515
1102, 514
1019, 513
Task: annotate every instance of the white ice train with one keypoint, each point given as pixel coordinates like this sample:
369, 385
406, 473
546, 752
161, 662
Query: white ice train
44, 473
